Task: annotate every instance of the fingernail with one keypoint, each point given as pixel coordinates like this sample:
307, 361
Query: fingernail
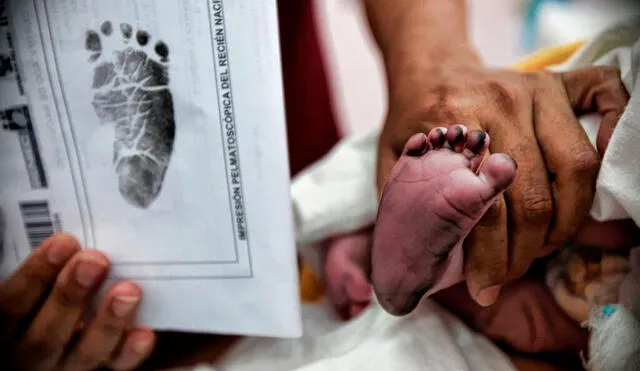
89, 271
58, 254
489, 295
122, 306
141, 346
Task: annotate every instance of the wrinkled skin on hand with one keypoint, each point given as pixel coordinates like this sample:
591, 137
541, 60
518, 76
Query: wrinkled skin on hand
543, 324
43, 313
530, 117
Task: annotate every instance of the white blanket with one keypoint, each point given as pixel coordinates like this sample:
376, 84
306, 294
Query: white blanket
337, 195
617, 195
428, 339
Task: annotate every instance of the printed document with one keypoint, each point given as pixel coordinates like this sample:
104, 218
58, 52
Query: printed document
154, 131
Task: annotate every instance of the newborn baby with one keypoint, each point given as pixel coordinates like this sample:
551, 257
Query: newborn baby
435, 195
438, 191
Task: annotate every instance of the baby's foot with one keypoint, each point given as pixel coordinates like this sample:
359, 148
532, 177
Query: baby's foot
431, 201
345, 279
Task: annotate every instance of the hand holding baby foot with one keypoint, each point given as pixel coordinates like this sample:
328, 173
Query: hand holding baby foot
531, 117
434, 196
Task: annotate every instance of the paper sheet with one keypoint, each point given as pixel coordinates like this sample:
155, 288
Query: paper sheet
153, 130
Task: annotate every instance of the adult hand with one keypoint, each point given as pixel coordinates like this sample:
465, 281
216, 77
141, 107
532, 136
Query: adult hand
529, 116
43, 305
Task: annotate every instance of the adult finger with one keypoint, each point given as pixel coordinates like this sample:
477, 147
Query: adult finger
103, 335
53, 327
387, 158
23, 291
487, 246
597, 89
135, 349
486, 254
529, 202
570, 158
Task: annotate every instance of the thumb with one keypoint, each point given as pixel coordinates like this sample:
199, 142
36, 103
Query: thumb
387, 158
597, 90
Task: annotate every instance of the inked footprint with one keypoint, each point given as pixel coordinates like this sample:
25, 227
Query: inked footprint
131, 91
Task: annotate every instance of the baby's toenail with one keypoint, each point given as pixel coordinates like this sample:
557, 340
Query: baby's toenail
479, 137
417, 145
440, 137
482, 136
458, 133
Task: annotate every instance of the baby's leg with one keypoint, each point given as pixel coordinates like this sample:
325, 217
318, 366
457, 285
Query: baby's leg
432, 199
346, 283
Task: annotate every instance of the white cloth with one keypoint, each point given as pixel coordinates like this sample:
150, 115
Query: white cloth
615, 340
617, 195
337, 195
428, 339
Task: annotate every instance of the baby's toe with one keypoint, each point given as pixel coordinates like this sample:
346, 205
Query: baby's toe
437, 137
416, 145
498, 172
456, 137
475, 147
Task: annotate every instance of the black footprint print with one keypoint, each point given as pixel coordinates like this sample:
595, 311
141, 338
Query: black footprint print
131, 91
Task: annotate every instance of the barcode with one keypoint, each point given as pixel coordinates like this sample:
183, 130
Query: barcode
37, 220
